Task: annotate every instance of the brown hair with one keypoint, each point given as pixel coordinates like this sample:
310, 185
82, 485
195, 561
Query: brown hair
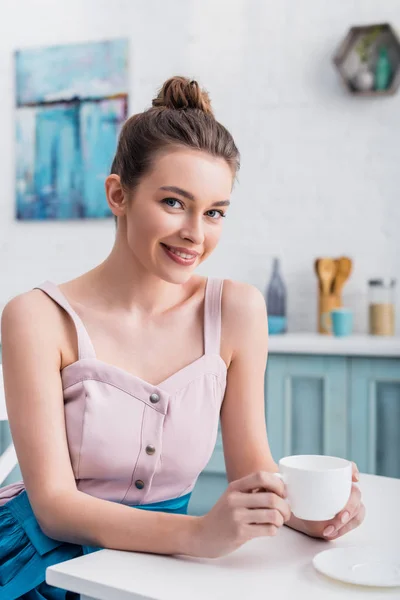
180, 115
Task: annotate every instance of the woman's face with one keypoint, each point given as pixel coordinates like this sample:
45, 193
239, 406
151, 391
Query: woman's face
175, 215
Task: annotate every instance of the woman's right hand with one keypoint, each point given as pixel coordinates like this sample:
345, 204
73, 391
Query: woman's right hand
240, 515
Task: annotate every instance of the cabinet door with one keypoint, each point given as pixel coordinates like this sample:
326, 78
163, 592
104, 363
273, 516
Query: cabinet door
306, 400
375, 415
211, 483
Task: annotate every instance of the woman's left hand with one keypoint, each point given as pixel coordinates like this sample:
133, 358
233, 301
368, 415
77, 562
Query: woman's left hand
349, 518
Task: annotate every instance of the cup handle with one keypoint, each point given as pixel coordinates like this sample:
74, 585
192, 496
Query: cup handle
325, 324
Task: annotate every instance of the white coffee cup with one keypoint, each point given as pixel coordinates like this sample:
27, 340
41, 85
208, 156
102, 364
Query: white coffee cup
318, 487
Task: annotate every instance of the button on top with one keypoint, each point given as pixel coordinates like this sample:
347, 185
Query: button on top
150, 449
139, 484
154, 398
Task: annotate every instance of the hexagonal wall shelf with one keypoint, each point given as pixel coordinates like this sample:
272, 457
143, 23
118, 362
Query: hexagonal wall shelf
368, 60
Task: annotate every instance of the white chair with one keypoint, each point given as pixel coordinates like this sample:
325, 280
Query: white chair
8, 460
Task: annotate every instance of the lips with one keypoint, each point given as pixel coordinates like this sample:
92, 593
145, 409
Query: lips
181, 256
182, 251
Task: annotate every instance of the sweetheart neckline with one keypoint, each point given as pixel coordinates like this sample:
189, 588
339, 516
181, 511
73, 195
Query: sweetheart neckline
136, 377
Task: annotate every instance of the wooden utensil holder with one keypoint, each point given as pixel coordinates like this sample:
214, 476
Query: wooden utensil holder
326, 303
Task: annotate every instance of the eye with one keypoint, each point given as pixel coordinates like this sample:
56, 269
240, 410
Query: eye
217, 214
171, 201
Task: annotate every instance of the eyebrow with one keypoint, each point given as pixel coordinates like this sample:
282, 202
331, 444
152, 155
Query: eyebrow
189, 196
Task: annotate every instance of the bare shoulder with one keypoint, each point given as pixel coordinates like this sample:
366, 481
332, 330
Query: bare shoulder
31, 313
244, 316
242, 300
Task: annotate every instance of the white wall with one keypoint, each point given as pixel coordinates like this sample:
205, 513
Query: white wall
320, 169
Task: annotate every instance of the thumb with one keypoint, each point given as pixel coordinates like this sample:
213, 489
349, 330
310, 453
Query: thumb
355, 474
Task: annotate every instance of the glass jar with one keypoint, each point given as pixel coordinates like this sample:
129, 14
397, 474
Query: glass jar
382, 306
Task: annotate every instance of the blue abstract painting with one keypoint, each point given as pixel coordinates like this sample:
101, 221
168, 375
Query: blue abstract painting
71, 102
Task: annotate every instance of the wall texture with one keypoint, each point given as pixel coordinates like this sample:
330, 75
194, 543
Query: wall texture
320, 169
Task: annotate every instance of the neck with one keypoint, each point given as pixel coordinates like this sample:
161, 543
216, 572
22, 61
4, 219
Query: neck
121, 281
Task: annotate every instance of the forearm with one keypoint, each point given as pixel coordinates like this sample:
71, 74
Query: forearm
83, 519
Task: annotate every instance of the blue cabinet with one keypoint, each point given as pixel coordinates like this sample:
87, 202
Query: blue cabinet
339, 406
306, 404
212, 482
374, 415
333, 404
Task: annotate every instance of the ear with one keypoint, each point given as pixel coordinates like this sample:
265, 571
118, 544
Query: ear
116, 197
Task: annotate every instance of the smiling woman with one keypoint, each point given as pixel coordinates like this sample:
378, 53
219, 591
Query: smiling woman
131, 371
116, 416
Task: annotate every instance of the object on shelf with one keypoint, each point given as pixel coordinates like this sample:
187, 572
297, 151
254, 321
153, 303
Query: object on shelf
382, 306
364, 79
343, 270
332, 274
342, 322
383, 70
276, 301
370, 53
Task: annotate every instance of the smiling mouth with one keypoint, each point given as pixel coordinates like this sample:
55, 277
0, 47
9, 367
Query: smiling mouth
180, 256
185, 255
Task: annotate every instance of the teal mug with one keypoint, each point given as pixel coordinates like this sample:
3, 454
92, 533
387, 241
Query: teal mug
341, 321
276, 324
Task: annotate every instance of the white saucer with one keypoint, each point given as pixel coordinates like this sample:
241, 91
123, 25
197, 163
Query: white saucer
372, 566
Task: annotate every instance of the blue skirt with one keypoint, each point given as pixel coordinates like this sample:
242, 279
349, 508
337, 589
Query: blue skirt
26, 552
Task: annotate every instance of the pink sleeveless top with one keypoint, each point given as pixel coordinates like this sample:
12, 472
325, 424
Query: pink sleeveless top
133, 442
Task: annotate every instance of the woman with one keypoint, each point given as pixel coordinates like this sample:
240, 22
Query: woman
127, 369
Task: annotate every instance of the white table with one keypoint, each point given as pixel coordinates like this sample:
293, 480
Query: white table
278, 567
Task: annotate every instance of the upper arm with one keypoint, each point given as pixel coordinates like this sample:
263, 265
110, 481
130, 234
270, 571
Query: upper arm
246, 447
30, 335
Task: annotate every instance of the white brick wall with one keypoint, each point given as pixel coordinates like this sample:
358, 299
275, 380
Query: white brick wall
320, 169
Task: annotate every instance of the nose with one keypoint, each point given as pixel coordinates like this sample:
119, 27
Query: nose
193, 230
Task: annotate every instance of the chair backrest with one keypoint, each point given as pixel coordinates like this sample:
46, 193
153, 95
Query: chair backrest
8, 460
3, 409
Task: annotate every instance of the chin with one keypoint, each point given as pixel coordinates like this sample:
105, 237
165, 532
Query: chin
175, 273
176, 278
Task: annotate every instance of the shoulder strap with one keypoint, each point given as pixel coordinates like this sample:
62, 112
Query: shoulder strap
85, 346
212, 315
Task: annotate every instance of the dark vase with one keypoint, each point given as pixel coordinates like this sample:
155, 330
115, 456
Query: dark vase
276, 301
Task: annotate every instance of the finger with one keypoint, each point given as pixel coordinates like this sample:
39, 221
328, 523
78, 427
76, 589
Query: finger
259, 516
260, 479
275, 504
351, 507
264, 500
261, 530
355, 472
360, 509
352, 524
344, 516
332, 530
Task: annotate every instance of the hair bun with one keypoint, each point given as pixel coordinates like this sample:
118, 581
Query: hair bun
181, 93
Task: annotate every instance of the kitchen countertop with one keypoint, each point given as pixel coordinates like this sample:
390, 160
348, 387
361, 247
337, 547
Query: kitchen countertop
315, 343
